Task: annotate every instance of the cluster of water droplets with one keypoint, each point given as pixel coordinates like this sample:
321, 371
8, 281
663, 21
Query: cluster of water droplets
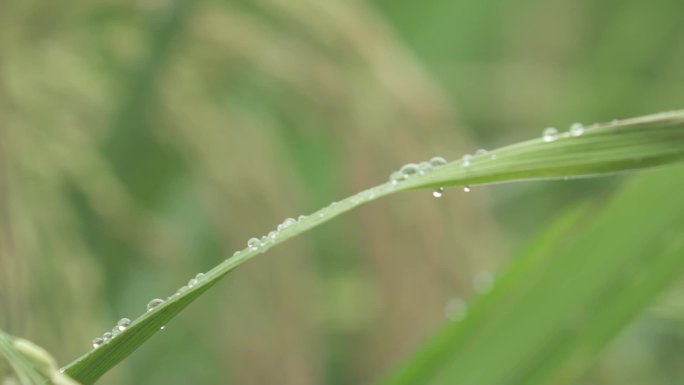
551, 134
120, 326
191, 283
255, 243
467, 159
410, 170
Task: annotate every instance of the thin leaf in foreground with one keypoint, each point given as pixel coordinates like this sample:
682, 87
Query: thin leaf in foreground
607, 148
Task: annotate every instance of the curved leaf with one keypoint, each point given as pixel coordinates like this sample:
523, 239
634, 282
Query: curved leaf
606, 148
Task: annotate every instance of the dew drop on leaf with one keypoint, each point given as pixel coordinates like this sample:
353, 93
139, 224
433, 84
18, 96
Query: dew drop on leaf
438, 161
576, 129
550, 134
123, 324
107, 337
153, 304
409, 170
253, 243
97, 342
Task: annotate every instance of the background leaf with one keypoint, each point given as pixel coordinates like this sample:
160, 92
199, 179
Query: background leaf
581, 293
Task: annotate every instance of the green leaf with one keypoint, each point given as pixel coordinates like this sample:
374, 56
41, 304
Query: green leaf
613, 147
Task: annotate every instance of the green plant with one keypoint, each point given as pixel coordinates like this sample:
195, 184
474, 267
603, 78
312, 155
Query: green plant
598, 149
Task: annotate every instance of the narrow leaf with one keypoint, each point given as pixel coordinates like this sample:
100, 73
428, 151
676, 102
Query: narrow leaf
606, 148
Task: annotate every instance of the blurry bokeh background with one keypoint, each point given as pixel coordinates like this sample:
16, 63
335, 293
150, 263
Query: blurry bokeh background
144, 141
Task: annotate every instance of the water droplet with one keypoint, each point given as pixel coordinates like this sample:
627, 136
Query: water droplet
123, 324
97, 342
466, 188
192, 283
115, 331
576, 129
396, 177
483, 282
301, 218
163, 327
455, 309
286, 223
199, 276
182, 289
107, 337
409, 170
438, 192
481, 151
438, 161
465, 161
550, 134
236, 253
253, 243
424, 168
154, 304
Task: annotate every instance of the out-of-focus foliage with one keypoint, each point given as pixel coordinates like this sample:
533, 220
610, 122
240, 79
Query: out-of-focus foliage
141, 142
30, 364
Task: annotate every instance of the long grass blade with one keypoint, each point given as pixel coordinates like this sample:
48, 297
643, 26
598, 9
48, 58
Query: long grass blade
606, 148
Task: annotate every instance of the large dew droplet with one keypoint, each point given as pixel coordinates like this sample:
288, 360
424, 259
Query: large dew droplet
97, 342
107, 337
396, 177
409, 170
466, 188
465, 161
438, 161
286, 223
123, 324
424, 168
253, 243
550, 134
576, 129
153, 304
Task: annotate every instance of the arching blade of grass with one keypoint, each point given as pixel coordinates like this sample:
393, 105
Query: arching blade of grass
613, 147
554, 310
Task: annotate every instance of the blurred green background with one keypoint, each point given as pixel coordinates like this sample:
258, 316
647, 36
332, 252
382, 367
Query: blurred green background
144, 141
